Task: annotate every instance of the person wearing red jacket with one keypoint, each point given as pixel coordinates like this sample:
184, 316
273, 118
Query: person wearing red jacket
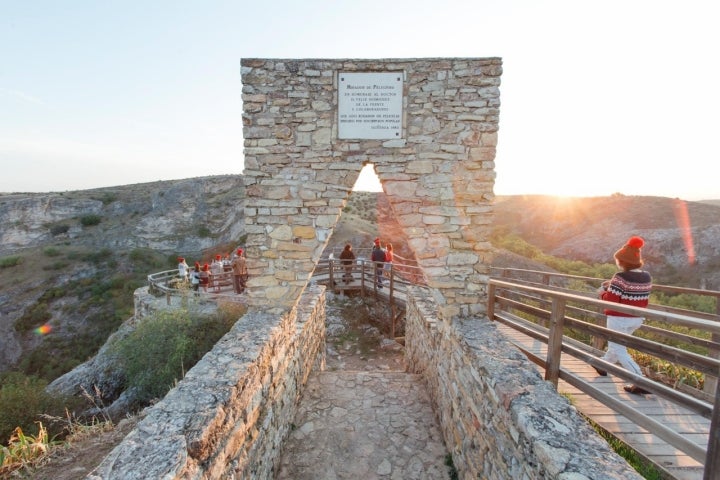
630, 286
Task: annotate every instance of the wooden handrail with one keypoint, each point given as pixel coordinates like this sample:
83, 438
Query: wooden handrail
557, 344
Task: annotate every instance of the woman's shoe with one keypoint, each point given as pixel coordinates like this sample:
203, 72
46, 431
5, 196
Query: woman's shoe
634, 389
602, 373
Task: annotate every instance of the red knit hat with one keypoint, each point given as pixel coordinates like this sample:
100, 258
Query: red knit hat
239, 251
218, 257
630, 252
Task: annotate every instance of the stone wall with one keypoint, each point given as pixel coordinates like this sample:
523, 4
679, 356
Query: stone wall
230, 414
438, 176
500, 419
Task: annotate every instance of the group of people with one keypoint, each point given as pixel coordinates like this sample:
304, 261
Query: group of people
208, 274
382, 257
629, 286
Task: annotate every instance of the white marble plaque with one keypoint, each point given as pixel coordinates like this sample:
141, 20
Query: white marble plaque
370, 105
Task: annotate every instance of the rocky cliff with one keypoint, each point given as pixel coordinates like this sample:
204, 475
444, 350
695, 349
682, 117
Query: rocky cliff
75, 258
183, 215
80, 255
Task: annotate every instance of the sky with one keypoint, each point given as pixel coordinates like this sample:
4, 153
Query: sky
597, 98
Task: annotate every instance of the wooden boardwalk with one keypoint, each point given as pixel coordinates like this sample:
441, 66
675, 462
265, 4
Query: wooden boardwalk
692, 426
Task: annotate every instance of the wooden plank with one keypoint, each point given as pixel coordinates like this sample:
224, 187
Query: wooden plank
693, 427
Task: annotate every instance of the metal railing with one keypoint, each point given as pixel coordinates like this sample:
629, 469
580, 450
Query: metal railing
546, 314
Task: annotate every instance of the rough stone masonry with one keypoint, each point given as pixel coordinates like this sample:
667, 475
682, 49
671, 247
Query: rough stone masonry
438, 174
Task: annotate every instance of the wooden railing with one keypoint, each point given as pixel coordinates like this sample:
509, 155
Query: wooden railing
548, 314
559, 281
397, 277
169, 283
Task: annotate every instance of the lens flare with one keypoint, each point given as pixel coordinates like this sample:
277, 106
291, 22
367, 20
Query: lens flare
683, 221
44, 330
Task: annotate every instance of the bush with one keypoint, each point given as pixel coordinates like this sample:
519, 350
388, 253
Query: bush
108, 198
163, 347
34, 316
56, 230
52, 252
90, 220
22, 400
7, 262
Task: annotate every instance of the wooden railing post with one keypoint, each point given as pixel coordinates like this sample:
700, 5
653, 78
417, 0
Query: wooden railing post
331, 273
712, 461
392, 299
711, 382
555, 338
491, 301
362, 279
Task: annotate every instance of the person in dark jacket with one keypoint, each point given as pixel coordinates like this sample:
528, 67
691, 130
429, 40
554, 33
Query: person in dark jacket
347, 256
378, 256
630, 286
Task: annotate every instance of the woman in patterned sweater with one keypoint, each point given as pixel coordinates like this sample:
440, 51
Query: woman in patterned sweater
630, 286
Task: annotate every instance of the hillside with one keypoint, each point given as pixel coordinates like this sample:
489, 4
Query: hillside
77, 257
678, 251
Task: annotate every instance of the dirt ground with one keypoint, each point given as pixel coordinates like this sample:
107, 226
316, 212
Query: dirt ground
76, 460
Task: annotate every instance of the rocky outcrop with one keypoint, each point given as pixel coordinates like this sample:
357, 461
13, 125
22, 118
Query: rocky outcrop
179, 215
172, 217
99, 377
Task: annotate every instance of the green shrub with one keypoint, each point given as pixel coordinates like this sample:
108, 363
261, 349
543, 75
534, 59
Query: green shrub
7, 262
145, 260
52, 251
56, 230
59, 265
90, 220
163, 347
22, 400
33, 317
203, 232
108, 197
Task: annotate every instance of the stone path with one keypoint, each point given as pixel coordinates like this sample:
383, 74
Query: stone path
364, 425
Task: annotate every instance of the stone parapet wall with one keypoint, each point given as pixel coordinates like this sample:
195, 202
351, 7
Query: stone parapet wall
230, 414
500, 419
438, 176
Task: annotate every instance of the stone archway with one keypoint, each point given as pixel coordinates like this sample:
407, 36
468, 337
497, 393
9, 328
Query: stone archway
433, 152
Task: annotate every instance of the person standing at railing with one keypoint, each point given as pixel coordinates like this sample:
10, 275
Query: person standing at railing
388, 259
195, 278
240, 273
630, 286
347, 257
205, 277
183, 269
378, 256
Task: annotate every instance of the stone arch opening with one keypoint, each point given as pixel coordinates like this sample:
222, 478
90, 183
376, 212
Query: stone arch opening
429, 127
368, 181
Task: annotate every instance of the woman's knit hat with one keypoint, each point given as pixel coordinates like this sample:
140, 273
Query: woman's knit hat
630, 252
